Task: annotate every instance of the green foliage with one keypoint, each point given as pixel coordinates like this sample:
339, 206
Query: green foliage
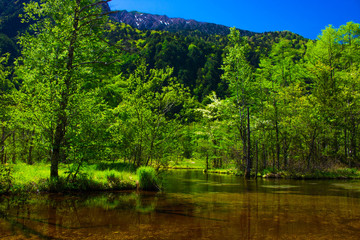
148, 119
59, 96
150, 98
35, 178
6, 178
148, 179
118, 166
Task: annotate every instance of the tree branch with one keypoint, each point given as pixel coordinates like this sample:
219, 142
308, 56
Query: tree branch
93, 4
96, 62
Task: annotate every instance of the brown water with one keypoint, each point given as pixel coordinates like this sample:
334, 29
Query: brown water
192, 206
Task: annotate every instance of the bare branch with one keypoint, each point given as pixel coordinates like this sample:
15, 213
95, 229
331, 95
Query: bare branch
94, 4
96, 62
97, 15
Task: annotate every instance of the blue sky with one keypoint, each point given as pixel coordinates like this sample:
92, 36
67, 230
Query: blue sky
305, 17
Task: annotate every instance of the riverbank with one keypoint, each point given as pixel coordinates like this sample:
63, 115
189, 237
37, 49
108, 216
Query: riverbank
20, 178
104, 176
340, 173
334, 173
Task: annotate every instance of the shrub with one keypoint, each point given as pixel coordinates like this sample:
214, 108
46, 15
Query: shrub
148, 179
5, 178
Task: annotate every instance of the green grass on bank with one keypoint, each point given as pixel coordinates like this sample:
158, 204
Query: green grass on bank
334, 173
104, 176
94, 177
148, 179
187, 164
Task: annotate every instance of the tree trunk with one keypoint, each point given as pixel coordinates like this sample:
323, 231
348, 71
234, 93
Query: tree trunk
311, 149
58, 141
14, 148
264, 156
207, 161
353, 143
345, 144
29, 160
61, 121
286, 150
277, 137
2, 145
257, 158
248, 157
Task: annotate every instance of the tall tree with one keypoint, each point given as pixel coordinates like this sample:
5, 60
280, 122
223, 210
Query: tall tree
148, 118
278, 74
59, 59
5, 87
238, 72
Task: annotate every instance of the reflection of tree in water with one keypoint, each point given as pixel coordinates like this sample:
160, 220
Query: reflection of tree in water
17, 220
57, 216
47, 217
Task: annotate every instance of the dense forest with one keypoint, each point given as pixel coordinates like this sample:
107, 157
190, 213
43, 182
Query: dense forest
76, 87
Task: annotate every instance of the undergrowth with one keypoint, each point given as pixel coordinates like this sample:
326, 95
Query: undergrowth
94, 177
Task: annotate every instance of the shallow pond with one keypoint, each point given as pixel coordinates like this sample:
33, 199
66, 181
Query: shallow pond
193, 206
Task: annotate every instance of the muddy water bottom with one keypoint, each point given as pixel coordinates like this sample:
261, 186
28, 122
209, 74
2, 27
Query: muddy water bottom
193, 206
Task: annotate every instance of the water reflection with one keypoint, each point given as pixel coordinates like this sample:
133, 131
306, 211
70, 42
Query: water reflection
193, 206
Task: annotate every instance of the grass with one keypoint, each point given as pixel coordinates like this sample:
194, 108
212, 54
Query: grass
95, 177
232, 171
148, 179
336, 173
104, 176
187, 164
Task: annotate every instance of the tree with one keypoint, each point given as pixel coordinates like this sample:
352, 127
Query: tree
148, 118
238, 73
278, 74
331, 72
214, 135
59, 59
5, 88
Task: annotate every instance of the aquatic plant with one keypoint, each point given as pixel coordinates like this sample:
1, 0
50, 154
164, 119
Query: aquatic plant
148, 179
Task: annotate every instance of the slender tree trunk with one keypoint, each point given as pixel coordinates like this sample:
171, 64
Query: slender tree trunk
264, 151
277, 136
248, 157
346, 150
264, 156
58, 141
61, 121
311, 149
353, 143
207, 161
14, 148
29, 160
244, 145
257, 158
2, 145
286, 150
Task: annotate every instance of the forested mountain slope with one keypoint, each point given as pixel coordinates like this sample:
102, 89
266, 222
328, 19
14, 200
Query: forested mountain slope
210, 41
10, 25
145, 21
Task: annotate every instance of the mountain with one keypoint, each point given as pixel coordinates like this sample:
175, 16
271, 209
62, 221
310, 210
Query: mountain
145, 21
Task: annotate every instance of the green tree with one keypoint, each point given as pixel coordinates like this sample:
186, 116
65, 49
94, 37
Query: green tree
239, 74
213, 133
278, 74
148, 118
5, 88
59, 60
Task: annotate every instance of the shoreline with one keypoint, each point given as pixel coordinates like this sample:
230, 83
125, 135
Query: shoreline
31, 179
